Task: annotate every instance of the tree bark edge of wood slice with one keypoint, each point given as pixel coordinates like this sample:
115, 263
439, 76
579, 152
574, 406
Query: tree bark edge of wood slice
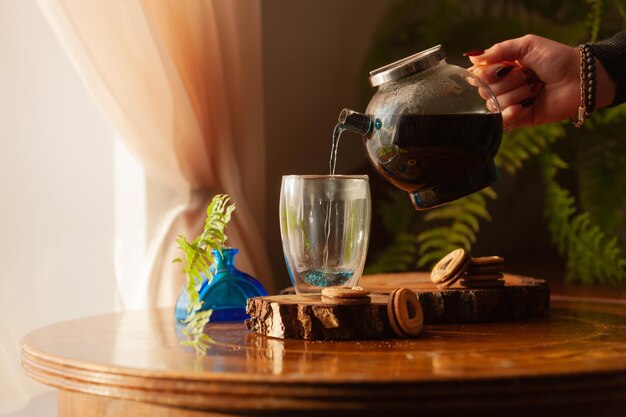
305, 317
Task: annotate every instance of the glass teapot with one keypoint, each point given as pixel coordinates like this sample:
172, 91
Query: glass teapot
431, 129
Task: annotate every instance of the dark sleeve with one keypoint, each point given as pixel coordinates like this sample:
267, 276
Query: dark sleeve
612, 53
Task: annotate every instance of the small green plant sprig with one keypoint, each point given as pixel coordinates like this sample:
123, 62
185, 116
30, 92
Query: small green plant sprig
197, 260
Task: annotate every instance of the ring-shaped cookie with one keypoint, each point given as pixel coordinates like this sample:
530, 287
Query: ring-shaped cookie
405, 313
345, 292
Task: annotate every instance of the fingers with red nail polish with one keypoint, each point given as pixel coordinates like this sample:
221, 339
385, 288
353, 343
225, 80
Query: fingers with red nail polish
535, 80
499, 73
535, 85
503, 70
526, 103
516, 94
476, 52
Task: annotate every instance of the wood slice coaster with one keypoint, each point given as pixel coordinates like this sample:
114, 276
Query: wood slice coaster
306, 317
520, 297
301, 316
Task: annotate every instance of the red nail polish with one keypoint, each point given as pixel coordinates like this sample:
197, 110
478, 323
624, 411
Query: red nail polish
527, 102
475, 52
535, 85
502, 71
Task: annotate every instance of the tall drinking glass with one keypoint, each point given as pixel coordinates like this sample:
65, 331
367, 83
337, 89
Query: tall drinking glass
325, 227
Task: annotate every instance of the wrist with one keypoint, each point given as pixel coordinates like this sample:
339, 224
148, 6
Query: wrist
588, 87
597, 88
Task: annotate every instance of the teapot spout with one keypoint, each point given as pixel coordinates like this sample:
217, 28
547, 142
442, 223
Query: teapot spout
355, 122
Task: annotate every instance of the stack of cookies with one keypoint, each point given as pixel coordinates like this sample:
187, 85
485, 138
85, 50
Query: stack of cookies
483, 272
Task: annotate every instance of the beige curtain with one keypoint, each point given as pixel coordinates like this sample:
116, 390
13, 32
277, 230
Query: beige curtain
181, 82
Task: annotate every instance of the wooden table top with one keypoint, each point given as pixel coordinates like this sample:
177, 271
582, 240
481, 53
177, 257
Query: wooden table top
576, 352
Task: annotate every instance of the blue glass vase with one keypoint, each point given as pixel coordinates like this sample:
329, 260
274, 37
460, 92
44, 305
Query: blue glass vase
227, 293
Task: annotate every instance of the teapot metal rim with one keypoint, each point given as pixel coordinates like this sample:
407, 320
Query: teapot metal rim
413, 64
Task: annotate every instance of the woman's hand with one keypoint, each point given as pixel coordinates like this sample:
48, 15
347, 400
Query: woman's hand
536, 80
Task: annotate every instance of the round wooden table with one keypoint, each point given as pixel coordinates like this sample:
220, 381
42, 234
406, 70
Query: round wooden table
571, 360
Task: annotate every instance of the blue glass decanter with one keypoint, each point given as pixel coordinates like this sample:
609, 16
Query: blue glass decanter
227, 293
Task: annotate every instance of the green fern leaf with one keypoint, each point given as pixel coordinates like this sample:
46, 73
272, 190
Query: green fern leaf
465, 230
429, 259
434, 233
462, 218
520, 144
591, 255
396, 212
397, 215
594, 18
600, 162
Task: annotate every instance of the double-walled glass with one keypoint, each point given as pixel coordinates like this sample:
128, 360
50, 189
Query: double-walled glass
325, 227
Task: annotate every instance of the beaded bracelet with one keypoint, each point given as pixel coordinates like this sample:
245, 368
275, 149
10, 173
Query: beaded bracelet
587, 84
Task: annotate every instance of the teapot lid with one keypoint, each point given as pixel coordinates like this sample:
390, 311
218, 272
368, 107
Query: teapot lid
413, 64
